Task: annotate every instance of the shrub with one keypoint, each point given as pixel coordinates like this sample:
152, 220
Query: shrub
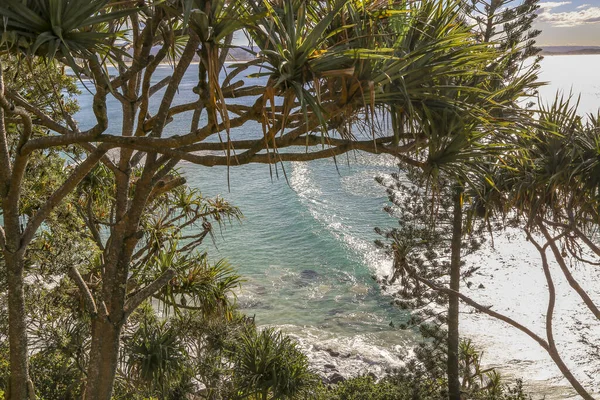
268, 364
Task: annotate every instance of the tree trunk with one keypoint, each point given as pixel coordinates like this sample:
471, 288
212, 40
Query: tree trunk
17, 328
453, 301
104, 357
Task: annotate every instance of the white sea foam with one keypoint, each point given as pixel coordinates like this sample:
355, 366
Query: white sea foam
352, 355
332, 215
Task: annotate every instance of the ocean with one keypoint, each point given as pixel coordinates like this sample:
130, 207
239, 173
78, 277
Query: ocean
305, 248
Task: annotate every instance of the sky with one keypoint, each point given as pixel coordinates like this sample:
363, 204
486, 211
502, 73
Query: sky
569, 23
563, 23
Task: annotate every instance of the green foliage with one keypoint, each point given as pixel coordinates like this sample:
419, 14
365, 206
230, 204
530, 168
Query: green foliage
59, 245
413, 385
153, 353
56, 376
268, 364
156, 360
366, 388
64, 29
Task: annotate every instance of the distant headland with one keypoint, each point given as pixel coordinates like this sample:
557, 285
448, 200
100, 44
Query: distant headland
569, 50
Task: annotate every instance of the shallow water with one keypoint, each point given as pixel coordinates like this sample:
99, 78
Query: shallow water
306, 248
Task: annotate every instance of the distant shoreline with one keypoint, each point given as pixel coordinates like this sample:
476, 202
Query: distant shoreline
569, 50
550, 54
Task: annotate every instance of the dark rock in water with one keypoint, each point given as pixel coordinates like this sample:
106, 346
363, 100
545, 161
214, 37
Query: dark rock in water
309, 274
332, 353
330, 366
254, 304
481, 286
336, 378
306, 277
335, 311
372, 376
260, 290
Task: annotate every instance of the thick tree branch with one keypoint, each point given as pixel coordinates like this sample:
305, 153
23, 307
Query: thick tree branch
481, 308
134, 301
343, 146
42, 118
173, 85
156, 143
5, 165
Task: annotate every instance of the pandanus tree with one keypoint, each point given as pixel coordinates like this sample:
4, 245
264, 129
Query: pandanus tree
327, 68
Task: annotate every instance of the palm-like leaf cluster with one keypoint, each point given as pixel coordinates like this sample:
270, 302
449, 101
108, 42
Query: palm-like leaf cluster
555, 175
155, 354
65, 29
268, 364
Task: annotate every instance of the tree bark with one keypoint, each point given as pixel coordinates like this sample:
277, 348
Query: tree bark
17, 328
453, 301
104, 357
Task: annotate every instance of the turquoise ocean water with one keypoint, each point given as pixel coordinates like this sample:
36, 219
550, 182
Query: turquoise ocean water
305, 246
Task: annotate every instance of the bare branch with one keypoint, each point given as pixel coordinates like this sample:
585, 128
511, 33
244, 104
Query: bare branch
572, 226
2, 238
565, 269
178, 305
585, 238
20, 158
5, 165
549, 347
84, 290
42, 118
134, 301
158, 86
165, 185
551, 290
184, 61
483, 309
105, 159
88, 217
